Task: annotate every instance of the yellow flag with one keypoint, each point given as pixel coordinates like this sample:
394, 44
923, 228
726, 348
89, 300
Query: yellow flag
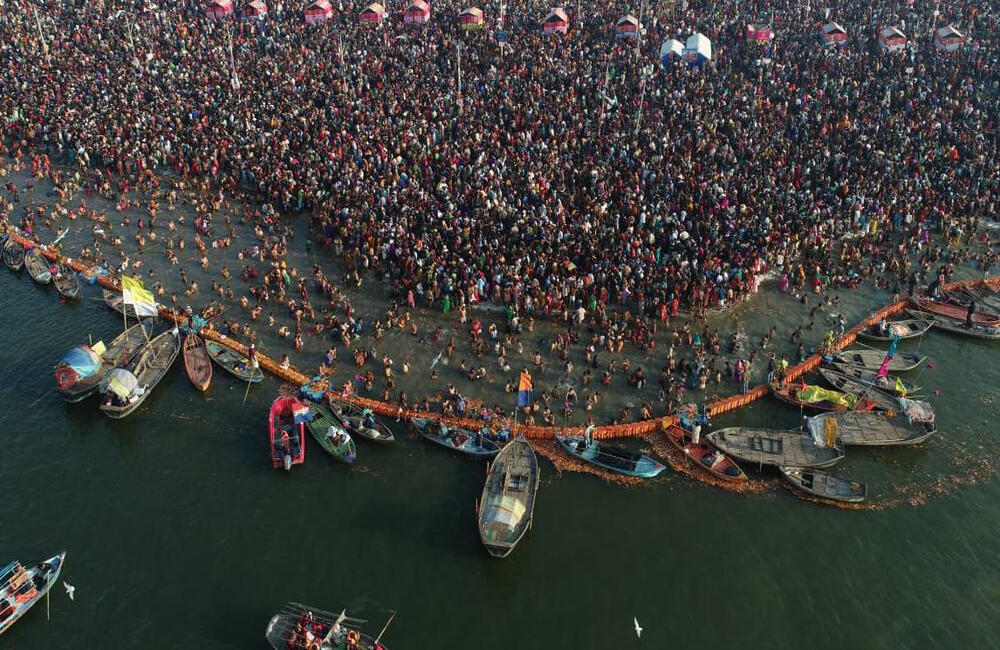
900, 388
99, 348
141, 300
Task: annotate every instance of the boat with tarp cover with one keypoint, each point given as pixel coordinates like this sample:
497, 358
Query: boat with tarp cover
234, 363
13, 255
79, 373
610, 457
507, 504
125, 389
911, 424
21, 587
823, 485
776, 447
287, 431
38, 267
902, 329
872, 359
460, 440
817, 398
300, 627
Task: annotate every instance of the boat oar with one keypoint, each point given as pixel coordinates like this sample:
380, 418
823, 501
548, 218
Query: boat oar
245, 395
379, 637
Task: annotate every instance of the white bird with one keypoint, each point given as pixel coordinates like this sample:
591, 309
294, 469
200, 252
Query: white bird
70, 589
638, 630
436, 359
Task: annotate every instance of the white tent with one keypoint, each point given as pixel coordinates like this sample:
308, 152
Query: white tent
671, 50
698, 49
833, 34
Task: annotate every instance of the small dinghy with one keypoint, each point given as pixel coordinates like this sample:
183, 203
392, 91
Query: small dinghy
959, 327
891, 385
197, 363
234, 363
13, 255
460, 440
610, 457
67, 283
888, 330
705, 455
287, 432
332, 437
872, 360
38, 267
360, 422
824, 485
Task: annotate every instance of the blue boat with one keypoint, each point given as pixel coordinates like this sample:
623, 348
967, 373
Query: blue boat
460, 440
614, 459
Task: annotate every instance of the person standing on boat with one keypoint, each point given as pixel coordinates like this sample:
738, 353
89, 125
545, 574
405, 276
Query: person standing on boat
969, 314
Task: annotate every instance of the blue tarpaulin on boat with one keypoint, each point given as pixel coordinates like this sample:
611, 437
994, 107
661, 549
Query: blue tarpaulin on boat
84, 361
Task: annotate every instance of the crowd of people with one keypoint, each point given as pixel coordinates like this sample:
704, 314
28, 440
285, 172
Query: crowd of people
575, 178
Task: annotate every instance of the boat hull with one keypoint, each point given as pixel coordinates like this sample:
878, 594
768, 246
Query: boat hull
51, 577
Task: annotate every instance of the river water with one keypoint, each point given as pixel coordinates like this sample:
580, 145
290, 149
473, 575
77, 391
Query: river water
180, 534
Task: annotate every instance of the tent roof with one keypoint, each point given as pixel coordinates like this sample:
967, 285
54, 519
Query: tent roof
320, 4
557, 14
628, 20
831, 27
222, 4
375, 7
472, 11
948, 30
418, 4
891, 32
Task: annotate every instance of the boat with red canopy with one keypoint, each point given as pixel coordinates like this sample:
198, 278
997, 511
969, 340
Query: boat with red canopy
287, 428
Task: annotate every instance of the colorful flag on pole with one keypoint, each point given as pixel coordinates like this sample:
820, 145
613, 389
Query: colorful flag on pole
892, 346
302, 414
524, 389
141, 300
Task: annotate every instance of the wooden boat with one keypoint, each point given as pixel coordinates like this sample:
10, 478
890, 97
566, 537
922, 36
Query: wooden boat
21, 587
789, 393
868, 377
330, 435
987, 297
508, 500
233, 362
287, 436
610, 458
67, 283
872, 360
13, 255
197, 363
116, 302
360, 422
825, 485
775, 447
125, 389
705, 456
956, 312
77, 376
287, 630
910, 424
460, 440
882, 398
963, 300
38, 267
958, 327
904, 329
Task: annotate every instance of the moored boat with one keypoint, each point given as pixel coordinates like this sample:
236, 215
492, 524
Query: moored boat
287, 432
953, 326
775, 447
38, 267
66, 281
609, 457
330, 435
21, 587
125, 389
79, 373
887, 330
824, 485
234, 363
13, 255
808, 396
872, 359
300, 627
881, 398
983, 294
891, 385
197, 363
507, 503
115, 301
460, 440
911, 424
956, 312
704, 455
360, 422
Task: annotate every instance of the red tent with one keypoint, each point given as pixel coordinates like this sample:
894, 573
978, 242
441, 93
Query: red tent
372, 14
319, 11
627, 27
891, 39
219, 9
255, 10
833, 34
417, 12
471, 18
556, 21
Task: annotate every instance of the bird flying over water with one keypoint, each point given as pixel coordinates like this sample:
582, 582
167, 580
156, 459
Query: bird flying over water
638, 630
436, 359
70, 589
